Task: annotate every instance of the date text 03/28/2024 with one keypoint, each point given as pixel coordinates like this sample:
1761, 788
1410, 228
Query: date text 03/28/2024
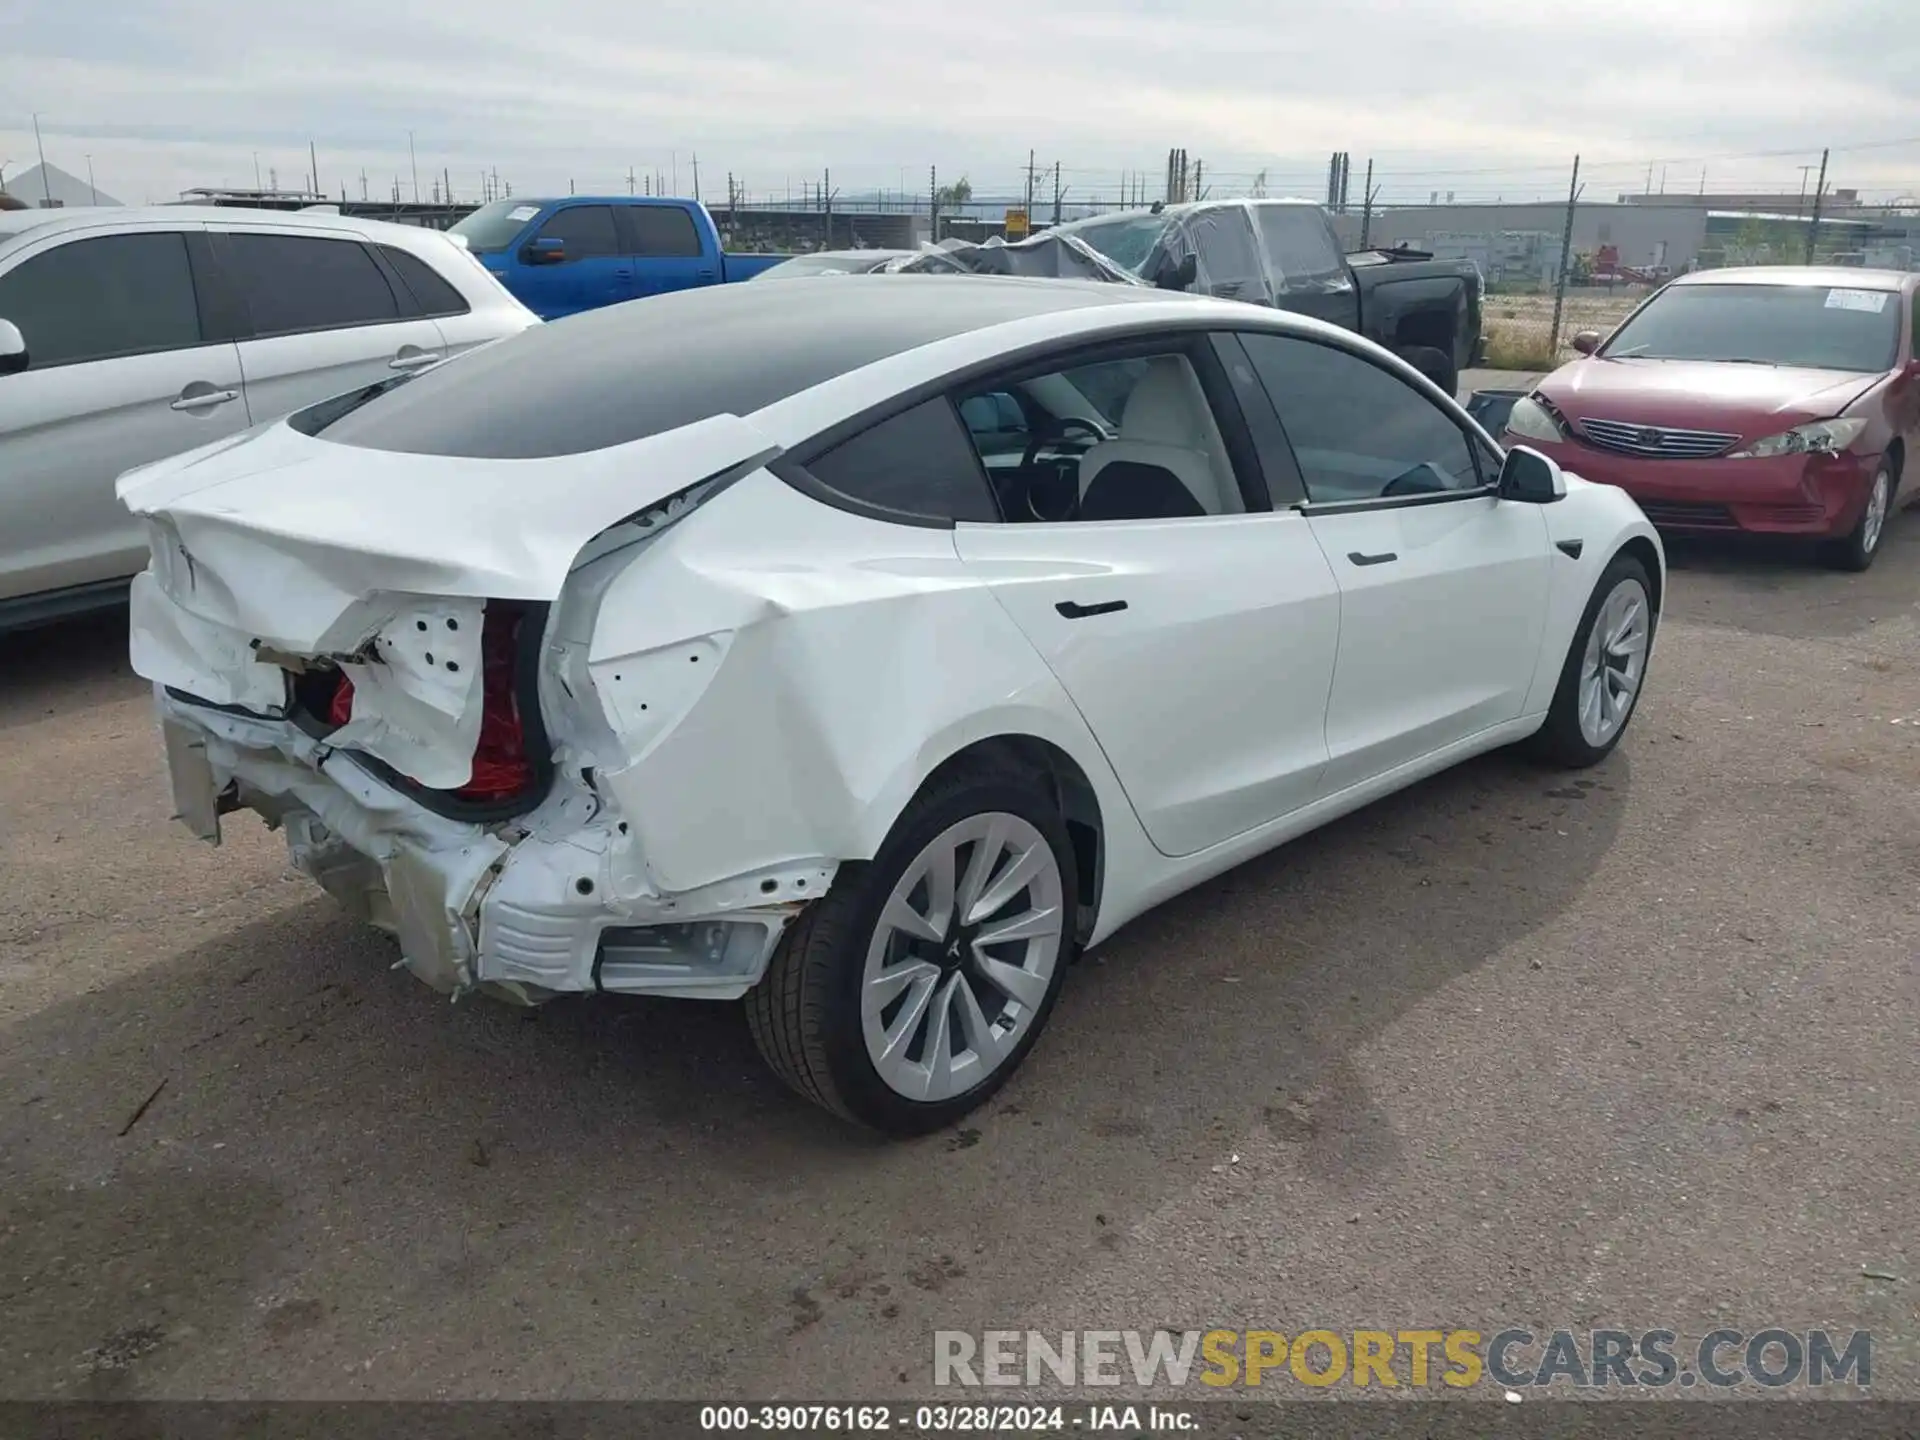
945, 1418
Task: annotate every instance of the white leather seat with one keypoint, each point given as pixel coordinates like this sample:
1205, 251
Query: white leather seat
1167, 425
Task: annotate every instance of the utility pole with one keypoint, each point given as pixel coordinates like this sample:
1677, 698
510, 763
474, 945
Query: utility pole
1819, 194
696, 177
93, 190
630, 181
1566, 254
826, 202
416, 168
1057, 192
46, 180
933, 203
496, 183
1366, 206
1199, 174
1029, 186
256, 162
313, 169
446, 187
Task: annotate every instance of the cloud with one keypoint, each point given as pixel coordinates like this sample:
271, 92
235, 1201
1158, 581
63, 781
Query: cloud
1482, 97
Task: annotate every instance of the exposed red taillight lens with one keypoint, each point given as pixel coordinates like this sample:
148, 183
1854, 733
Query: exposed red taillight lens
501, 767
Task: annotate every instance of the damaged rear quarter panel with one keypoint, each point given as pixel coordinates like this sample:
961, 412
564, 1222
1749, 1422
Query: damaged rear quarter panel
840, 660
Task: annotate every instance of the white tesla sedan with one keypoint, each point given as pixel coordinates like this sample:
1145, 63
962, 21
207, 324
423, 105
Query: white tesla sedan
864, 651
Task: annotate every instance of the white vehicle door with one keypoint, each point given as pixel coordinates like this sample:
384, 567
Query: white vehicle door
1194, 628
124, 367
1443, 586
323, 317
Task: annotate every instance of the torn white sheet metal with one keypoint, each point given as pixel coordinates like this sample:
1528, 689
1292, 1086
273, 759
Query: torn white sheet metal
280, 539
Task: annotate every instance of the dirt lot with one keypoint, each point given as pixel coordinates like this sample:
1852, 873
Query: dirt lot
1510, 1048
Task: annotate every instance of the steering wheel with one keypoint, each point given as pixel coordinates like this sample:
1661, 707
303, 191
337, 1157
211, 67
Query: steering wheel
1039, 440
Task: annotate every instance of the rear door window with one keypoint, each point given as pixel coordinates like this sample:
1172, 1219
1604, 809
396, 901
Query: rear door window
586, 230
101, 298
292, 284
918, 463
1299, 246
664, 231
430, 291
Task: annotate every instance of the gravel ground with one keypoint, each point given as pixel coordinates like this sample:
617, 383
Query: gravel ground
1508, 1048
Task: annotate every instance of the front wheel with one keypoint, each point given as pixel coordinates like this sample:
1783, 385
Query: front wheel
1605, 668
1855, 551
911, 992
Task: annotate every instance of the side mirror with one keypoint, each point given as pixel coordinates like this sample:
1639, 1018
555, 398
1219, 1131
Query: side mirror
548, 250
1179, 276
13, 349
1911, 372
1531, 478
1587, 341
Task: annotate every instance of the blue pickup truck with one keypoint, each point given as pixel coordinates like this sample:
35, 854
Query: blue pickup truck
560, 257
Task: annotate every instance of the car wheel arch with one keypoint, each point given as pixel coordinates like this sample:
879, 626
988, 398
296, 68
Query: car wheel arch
1642, 549
1022, 750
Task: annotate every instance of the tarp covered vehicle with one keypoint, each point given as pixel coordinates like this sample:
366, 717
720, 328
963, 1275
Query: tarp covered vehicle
1280, 253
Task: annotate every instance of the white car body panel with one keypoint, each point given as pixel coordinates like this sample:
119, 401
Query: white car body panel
1439, 643
744, 687
66, 431
1240, 609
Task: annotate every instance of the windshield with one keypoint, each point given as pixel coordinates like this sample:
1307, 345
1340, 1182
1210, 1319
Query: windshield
1127, 240
1805, 325
821, 265
492, 227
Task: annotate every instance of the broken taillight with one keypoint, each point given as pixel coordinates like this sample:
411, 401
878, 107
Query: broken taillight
502, 768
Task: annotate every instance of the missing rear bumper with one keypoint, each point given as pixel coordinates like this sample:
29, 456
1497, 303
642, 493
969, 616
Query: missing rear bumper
558, 902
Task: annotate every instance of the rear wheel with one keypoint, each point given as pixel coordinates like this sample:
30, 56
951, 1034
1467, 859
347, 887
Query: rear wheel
915, 987
1605, 668
1436, 365
1855, 551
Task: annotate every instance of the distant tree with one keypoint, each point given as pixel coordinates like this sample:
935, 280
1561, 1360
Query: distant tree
955, 195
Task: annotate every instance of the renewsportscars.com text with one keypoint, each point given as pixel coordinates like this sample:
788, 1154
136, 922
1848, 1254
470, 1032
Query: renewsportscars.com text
1394, 1359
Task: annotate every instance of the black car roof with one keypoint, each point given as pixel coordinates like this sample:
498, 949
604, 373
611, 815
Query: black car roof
608, 377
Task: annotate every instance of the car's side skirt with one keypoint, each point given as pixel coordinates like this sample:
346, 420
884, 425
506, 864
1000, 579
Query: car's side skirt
1177, 876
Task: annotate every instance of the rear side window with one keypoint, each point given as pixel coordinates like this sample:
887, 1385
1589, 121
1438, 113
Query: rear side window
96, 299
297, 283
1298, 244
919, 463
586, 230
663, 230
433, 295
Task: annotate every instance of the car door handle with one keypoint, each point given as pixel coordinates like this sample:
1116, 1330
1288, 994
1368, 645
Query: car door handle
203, 399
704, 274
1075, 611
413, 360
1384, 557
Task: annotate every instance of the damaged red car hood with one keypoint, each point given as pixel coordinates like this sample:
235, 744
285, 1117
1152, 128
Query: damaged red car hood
1702, 394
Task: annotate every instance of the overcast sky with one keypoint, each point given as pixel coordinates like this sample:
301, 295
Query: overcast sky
1485, 98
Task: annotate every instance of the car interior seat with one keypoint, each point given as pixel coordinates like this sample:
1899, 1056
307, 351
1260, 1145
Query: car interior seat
1168, 462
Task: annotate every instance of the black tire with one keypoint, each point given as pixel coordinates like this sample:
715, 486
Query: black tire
1855, 551
1560, 741
805, 1013
1436, 365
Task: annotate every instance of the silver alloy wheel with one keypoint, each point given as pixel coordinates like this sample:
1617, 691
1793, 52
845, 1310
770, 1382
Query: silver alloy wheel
1615, 662
962, 957
1875, 519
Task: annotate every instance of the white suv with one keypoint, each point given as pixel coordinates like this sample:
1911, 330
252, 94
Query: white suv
127, 335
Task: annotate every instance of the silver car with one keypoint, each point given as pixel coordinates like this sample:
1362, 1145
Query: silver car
128, 335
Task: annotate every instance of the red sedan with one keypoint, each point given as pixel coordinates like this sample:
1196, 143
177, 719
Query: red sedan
1770, 401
